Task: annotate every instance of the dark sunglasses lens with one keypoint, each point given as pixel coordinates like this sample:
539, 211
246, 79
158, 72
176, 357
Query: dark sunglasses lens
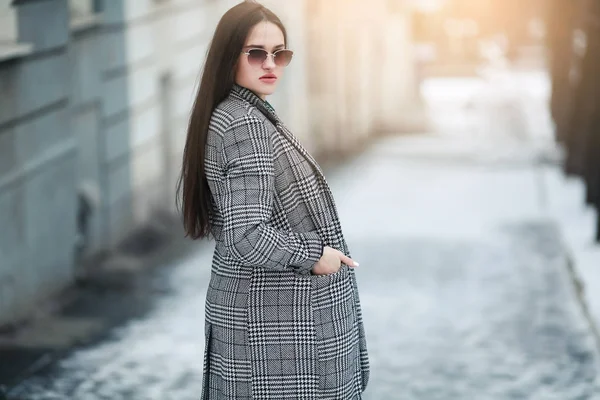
283, 57
257, 56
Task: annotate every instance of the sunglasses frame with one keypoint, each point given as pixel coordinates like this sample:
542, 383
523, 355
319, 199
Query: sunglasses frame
274, 54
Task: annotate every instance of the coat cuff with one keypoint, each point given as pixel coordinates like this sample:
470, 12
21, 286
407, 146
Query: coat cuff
313, 247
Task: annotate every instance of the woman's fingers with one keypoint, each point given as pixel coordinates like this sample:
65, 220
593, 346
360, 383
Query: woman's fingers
348, 261
342, 257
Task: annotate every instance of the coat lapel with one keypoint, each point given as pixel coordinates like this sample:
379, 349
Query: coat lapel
269, 112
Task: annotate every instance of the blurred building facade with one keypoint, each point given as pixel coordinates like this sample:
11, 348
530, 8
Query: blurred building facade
95, 97
459, 32
575, 103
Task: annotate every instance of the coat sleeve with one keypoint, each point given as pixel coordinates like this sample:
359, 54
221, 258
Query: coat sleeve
245, 200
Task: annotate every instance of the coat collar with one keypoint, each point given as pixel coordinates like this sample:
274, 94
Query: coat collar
265, 108
252, 98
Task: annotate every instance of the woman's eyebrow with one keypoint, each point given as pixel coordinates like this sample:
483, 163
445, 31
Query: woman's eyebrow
260, 46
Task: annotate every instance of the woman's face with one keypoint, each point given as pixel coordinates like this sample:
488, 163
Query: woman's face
263, 78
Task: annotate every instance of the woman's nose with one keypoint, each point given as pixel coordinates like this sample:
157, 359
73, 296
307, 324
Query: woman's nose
269, 62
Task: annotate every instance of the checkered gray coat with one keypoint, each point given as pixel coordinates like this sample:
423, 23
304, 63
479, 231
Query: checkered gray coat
273, 329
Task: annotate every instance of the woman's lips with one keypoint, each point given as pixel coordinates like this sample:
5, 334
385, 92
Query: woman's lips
268, 78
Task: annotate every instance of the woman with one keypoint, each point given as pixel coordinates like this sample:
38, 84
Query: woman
283, 317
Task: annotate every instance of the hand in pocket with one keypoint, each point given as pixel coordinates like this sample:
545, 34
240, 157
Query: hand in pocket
331, 261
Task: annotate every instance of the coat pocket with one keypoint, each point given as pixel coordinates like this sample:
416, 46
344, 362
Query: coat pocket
336, 333
331, 276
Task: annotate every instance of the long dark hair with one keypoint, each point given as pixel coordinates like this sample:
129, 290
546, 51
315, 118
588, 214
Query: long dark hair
218, 77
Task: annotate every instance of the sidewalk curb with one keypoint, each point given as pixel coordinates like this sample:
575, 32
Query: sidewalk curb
580, 293
577, 279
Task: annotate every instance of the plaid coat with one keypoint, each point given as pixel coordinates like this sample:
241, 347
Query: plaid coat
273, 329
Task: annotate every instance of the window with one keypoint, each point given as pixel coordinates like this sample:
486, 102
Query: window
9, 34
84, 13
81, 8
8, 22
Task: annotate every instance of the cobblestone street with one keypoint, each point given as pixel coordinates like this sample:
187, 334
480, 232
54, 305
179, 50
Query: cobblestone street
462, 275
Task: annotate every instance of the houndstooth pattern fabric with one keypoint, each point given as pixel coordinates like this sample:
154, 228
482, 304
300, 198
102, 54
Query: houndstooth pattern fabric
273, 330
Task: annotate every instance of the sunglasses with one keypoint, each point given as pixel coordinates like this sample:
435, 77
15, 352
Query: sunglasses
257, 57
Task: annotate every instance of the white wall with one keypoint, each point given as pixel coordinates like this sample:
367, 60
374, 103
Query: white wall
166, 43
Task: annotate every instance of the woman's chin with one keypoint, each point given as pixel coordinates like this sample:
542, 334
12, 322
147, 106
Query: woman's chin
266, 89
